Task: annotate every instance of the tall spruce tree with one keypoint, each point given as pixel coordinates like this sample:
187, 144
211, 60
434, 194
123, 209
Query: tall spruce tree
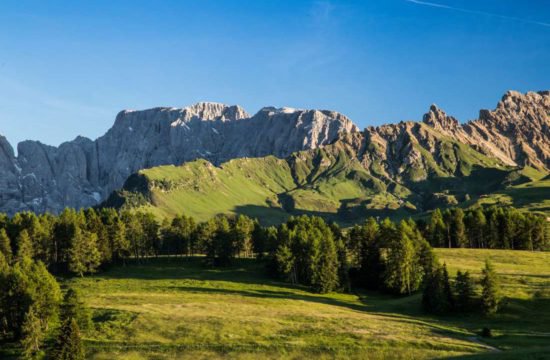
84, 257
33, 334
74, 308
464, 291
325, 267
437, 230
490, 294
371, 265
400, 275
69, 344
5, 245
434, 299
24, 245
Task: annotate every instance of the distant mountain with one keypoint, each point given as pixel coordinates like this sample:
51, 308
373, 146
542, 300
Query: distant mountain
307, 160
82, 172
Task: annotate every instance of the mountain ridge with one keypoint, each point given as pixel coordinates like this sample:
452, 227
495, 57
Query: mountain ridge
83, 172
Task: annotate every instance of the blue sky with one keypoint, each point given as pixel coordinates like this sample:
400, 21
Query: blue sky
68, 67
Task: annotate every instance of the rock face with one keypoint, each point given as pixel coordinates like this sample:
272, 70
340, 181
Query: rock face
517, 132
82, 172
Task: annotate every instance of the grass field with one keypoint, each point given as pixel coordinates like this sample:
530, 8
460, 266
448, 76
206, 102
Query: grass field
176, 308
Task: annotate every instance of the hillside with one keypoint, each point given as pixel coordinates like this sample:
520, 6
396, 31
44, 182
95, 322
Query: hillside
341, 181
176, 308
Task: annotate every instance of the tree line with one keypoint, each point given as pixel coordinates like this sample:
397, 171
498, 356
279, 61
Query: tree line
32, 309
393, 257
489, 228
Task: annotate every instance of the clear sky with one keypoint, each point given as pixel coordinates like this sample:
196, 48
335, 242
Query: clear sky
68, 67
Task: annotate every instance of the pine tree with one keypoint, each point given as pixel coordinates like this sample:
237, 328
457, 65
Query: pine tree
259, 240
285, 263
437, 230
490, 295
46, 293
24, 245
33, 334
84, 256
74, 308
242, 233
325, 269
458, 230
476, 223
119, 241
5, 245
464, 290
436, 298
69, 344
371, 265
400, 276
447, 291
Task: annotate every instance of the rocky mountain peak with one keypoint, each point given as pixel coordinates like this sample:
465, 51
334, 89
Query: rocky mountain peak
216, 111
439, 120
82, 172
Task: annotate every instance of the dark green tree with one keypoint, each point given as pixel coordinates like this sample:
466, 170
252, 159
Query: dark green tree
24, 245
371, 265
435, 297
84, 257
32, 334
69, 344
325, 267
490, 294
5, 245
437, 230
400, 276
464, 291
74, 308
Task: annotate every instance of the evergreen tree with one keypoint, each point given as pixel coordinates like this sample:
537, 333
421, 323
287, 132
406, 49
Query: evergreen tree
284, 260
458, 230
84, 256
242, 233
476, 223
5, 245
325, 269
447, 290
437, 297
134, 233
74, 308
118, 239
401, 277
437, 230
464, 290
95, 225
371, 264
32, 334
46, 293
490, 294
16, 296
24, 245
259, 240
69, 344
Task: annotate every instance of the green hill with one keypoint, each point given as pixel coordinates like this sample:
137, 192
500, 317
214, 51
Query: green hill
343, 182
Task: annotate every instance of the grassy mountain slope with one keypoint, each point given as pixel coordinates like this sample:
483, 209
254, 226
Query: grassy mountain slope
344, 181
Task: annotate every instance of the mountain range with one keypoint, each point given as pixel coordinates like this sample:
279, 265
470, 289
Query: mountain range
210, 158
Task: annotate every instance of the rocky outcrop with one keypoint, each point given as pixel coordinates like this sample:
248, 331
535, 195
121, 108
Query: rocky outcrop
82, 172
517, 132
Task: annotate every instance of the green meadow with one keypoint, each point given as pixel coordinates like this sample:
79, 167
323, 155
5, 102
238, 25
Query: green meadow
178, 308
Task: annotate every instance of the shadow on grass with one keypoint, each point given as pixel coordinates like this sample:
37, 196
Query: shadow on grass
518, 322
